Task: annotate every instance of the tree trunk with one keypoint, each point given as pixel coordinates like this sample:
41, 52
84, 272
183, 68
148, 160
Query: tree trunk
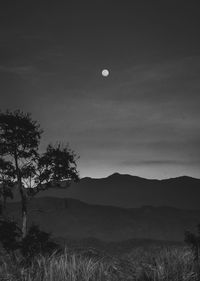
24, 209
4, 203
1, 208
24, 223
23, 200
4, 207
24, 212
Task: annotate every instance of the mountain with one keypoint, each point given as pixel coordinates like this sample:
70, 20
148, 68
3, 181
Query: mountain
118, 208
128, 191
70, 218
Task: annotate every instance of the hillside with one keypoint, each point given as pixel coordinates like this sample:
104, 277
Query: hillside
69, 218
128, 191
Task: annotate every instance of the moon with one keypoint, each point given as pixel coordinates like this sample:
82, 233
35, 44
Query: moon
105, 72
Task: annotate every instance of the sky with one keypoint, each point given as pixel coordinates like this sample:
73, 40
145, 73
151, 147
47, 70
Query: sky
143, 119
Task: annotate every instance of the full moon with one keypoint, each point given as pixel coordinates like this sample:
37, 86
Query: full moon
105, 72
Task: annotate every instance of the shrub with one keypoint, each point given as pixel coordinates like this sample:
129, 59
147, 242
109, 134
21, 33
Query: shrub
10, 235
37, 242
193, 241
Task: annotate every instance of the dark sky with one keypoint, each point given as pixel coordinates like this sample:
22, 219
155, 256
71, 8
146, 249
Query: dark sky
144, 118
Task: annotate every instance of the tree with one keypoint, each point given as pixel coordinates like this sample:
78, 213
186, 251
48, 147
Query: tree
6, 182
19, 142
56, 167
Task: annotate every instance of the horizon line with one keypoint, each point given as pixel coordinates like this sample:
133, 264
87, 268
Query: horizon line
132, 175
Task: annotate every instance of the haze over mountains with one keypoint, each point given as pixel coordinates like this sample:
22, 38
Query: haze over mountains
128, 191
116, 208
72, 219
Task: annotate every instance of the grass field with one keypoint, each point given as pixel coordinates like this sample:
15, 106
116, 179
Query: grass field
153, 264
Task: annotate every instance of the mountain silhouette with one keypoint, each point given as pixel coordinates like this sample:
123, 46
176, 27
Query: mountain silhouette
128, 191
73, 219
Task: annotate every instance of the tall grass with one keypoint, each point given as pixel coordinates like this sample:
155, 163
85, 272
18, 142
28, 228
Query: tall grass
167, 264
156, 264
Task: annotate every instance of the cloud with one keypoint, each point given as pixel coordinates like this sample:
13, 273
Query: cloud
19, 70
164, 162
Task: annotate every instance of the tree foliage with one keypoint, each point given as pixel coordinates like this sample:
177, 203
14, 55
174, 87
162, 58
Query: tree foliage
56, 167
19, 141
10, 234
19, 134
37, 242
7, 175
21, 163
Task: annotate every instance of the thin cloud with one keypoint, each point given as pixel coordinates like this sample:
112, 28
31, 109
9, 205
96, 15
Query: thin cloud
19, 70
160, 162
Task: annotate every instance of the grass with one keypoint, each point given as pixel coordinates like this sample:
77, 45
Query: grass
155, 264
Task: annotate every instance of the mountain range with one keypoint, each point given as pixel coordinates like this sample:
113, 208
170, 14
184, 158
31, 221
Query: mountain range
73, 219
117, 208
128, 191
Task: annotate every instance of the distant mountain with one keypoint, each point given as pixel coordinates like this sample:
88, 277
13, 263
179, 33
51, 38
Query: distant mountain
72, 219
128, 191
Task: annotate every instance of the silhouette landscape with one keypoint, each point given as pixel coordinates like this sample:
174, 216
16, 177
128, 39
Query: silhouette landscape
127, 191
138, 208
99, 140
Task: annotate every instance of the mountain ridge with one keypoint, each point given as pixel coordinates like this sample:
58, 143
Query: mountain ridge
127, 191
134, 176
66, 217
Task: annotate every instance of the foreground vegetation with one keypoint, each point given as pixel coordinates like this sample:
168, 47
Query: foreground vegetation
155, 264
